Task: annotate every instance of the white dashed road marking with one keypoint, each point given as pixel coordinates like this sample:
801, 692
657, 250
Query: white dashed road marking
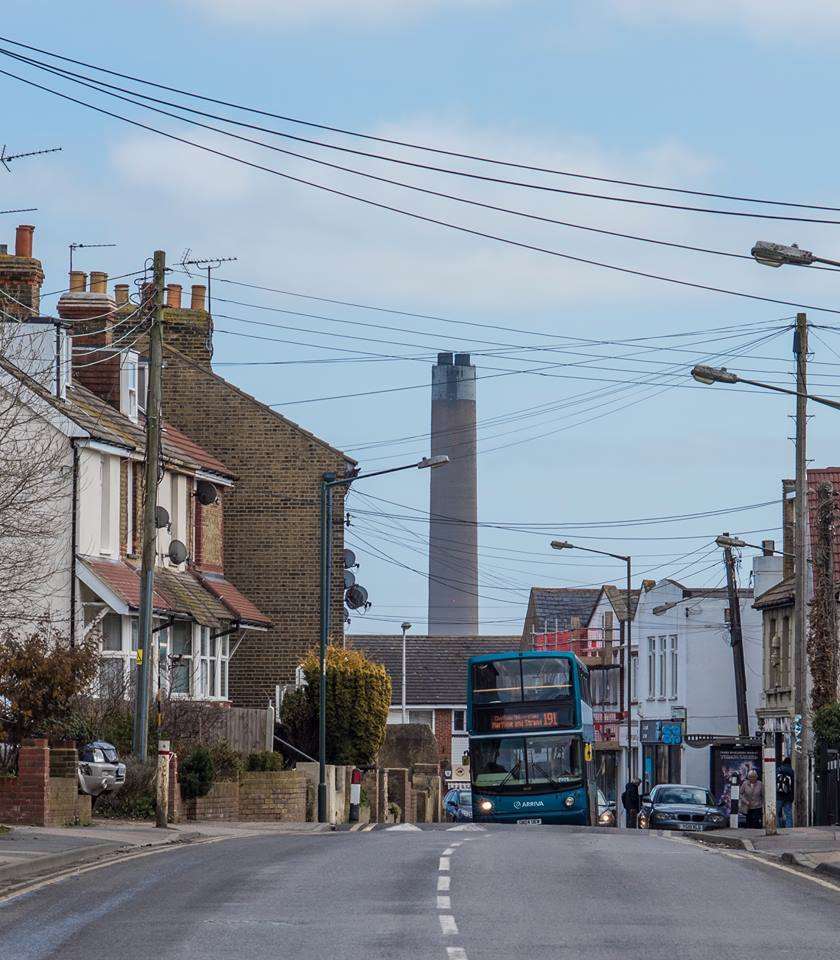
443, 866
466, 827
443, 883
444, 903
447, 925
448, 851
456, 953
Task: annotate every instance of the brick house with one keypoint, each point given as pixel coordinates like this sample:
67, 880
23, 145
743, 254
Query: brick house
92, 405
436, 681
272, 533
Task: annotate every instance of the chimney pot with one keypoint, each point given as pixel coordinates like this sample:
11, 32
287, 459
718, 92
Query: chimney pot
121, 293
78, 281
462, 359
444, 359
4, 250
197, 298
23, 240
98, 282
768, 547
173, 296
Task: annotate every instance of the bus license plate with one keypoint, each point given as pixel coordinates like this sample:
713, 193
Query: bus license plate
530, 820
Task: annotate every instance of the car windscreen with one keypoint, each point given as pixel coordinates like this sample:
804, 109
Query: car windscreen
508, 764
691, 796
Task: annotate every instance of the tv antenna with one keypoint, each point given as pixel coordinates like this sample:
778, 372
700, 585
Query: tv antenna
85, 246
20, 210
203, 263
7, 158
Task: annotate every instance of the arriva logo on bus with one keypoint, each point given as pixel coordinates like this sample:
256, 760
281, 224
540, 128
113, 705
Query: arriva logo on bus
519, 804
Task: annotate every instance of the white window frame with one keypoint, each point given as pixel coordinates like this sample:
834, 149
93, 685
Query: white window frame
663, 668
127, 652
673, 655
212, 665
129, 392
651, 659
634, 678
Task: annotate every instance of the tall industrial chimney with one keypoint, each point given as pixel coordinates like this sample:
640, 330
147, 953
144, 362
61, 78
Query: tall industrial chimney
453, 534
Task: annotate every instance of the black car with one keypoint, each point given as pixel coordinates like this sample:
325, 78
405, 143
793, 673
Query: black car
677, 806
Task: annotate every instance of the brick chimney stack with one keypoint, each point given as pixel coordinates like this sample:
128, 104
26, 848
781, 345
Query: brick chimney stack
96, 364
21, 276
189, 329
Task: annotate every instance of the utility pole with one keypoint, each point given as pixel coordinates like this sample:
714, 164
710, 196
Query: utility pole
800, 720
145, 660
737, 643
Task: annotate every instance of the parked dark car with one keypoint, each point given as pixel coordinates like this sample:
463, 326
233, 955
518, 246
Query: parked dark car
100, 769
678, 806
457, 806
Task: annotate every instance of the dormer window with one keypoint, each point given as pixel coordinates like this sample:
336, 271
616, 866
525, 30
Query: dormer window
129, 384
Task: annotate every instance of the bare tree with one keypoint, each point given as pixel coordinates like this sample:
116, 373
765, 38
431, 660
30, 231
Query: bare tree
35, 479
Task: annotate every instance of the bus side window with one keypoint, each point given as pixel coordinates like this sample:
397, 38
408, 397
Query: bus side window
585, 693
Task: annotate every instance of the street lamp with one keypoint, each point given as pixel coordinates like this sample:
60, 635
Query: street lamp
708, 375
405, 628
777, 254
565, 545
328, 482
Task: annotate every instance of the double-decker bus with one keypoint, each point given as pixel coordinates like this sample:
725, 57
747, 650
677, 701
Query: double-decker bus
529, 719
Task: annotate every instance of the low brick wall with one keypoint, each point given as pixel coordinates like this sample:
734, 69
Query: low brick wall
273, 796
279, 795
45, 791
221, 803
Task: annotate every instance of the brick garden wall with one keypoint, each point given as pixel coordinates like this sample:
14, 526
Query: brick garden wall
221, 803
45, 791
279, 795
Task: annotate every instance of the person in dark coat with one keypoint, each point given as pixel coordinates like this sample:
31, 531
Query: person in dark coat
785, 780
631, 802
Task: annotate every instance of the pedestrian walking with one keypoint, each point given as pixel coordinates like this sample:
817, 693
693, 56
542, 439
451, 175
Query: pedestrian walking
751, 800
784, 793
631, 802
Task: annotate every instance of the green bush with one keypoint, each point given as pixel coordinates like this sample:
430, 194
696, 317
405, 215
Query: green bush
358, 698
136, 799
227, 762
827, 723
196, 774
264, 762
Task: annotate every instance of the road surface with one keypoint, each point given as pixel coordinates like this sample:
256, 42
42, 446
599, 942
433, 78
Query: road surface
529, 893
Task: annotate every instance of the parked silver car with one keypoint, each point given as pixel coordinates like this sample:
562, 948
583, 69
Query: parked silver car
100, 769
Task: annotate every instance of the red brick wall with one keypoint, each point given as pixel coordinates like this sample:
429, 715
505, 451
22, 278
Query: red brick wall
23, 799
443, 734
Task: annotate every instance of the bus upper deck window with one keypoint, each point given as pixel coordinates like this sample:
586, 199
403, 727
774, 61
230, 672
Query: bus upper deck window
497, 681
546, 678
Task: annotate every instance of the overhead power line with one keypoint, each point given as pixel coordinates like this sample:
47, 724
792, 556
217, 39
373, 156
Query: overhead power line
517, 165
418, 216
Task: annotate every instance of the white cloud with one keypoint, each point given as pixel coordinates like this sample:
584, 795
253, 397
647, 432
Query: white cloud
293, 12
758, 17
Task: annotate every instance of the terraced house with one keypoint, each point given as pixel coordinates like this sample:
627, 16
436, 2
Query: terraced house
76, 414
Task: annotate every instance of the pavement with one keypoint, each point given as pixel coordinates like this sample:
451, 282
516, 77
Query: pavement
466, 892
809, 848
32, 853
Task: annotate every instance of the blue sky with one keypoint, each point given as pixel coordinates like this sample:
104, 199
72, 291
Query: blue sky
729, 97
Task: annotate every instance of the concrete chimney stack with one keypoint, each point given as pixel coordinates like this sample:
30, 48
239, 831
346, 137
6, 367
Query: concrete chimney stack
453, 531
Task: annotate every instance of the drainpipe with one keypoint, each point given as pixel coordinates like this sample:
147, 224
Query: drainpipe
73, 544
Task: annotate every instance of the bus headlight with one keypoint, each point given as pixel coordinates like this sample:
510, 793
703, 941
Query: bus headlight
570, 800
485, 806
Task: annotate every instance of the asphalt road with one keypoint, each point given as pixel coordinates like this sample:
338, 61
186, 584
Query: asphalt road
529, 893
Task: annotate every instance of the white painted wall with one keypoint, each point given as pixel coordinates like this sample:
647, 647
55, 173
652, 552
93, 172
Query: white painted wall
99, 504
705, 685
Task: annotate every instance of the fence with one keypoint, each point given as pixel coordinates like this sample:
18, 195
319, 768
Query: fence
249, 730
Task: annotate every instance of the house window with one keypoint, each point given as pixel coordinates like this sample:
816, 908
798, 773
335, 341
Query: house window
651, 668
118, 666
674, 659
459, 721
727, 615
422, 716
634, 679
213, 665
663, 667
784, 654
104, 504
181, 658
129, 403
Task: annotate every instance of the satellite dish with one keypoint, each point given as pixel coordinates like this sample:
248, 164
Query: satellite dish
177, 552
206, 493
356, 597
349, 558
349, 579
161, 517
